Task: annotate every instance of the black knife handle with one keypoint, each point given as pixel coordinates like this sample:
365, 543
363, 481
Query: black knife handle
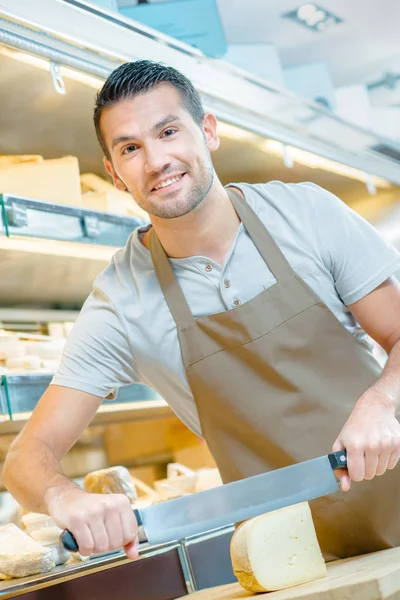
338, 459
69, 542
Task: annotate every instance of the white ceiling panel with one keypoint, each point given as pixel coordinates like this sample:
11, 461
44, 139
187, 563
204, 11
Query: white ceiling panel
361, 49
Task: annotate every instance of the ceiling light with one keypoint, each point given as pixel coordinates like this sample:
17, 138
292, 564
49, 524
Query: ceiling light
226, 130
43, 64
308, 159
313, 17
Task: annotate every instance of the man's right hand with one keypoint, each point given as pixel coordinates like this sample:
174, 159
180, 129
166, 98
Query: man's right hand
98, 522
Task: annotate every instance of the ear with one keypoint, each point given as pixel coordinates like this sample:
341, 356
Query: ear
210, 131
119, 184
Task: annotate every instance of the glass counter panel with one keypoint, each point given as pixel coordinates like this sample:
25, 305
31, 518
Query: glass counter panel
22, 217
21, 393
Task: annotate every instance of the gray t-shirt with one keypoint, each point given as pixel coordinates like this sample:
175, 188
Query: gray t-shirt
125, 332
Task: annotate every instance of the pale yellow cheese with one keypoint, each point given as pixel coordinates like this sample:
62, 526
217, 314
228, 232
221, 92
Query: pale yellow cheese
180, 481
29, 362
14, 159
20, 555
99, 194
11, 349
277, 550
207, 479
55, 180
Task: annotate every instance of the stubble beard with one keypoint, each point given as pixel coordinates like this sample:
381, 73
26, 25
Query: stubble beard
186, 203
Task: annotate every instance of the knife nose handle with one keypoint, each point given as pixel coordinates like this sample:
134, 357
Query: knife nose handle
338, 459
69, 542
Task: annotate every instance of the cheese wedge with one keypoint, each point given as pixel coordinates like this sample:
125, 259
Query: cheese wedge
277, 550
55, 180
21, 556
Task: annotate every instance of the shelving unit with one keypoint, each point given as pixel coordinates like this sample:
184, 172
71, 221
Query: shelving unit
22, 217
19, 395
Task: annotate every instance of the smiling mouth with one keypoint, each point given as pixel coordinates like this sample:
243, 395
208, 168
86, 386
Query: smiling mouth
168, 183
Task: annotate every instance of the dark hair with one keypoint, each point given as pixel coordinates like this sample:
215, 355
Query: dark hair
133, 78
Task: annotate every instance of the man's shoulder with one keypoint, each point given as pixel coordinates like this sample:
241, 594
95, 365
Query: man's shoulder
287, 199
121, 277
273, 192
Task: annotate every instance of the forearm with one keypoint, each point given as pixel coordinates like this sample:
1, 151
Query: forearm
32, 474
388, 384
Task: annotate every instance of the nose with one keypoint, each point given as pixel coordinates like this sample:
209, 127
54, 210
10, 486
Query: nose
156, 160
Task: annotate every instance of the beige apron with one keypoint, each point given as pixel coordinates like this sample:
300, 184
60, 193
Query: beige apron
274, 381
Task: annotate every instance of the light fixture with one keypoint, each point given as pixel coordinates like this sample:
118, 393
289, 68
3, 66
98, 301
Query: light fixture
57, 248
226, 130
45, 65
313, 17
308, 159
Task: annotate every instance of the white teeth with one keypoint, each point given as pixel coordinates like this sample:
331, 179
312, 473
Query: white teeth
167, 182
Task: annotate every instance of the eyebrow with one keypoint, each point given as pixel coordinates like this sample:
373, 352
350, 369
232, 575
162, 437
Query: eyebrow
155, 128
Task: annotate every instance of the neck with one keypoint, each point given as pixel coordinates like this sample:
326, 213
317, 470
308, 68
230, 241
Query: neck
209, 230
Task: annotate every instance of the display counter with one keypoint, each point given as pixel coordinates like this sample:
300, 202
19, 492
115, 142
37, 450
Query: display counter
158, 574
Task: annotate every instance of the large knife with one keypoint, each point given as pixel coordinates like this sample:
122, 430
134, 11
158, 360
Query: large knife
233, 502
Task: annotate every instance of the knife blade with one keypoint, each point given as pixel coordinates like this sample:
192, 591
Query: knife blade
234, 502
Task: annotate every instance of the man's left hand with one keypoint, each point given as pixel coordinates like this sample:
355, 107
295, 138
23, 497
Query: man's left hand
371, 437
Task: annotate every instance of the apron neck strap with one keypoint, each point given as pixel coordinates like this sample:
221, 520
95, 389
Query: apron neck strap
170, 287
262, 239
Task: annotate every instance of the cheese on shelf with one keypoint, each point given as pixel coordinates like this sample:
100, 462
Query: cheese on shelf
11, 349
115, 480
180, 481
15, 159
56, 180
29, 362
46, 350
207, 479
277, 550
21, 556
99, 194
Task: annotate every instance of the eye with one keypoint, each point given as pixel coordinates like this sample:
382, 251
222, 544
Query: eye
169, 132
129, 149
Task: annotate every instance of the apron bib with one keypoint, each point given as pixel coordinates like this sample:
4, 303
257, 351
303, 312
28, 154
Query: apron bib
274, 381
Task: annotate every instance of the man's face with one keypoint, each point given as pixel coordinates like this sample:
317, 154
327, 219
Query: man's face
159, 153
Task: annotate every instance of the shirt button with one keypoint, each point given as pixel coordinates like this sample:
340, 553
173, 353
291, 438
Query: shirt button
236, 302
208, 267
227, 283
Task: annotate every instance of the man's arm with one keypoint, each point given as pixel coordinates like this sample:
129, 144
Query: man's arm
33, 474
371, 435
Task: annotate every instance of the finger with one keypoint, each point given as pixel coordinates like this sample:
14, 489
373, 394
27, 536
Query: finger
394, 459
84, 540
114, 528
356, 462
128, 524
100, 537
384, 458
337, 445
372, 457
344, 479
132, 549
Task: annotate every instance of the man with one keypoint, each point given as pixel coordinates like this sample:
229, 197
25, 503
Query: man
247, 308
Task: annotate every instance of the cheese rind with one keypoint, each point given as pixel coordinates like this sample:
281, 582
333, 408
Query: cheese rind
115, 480
277, 550
21, 556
